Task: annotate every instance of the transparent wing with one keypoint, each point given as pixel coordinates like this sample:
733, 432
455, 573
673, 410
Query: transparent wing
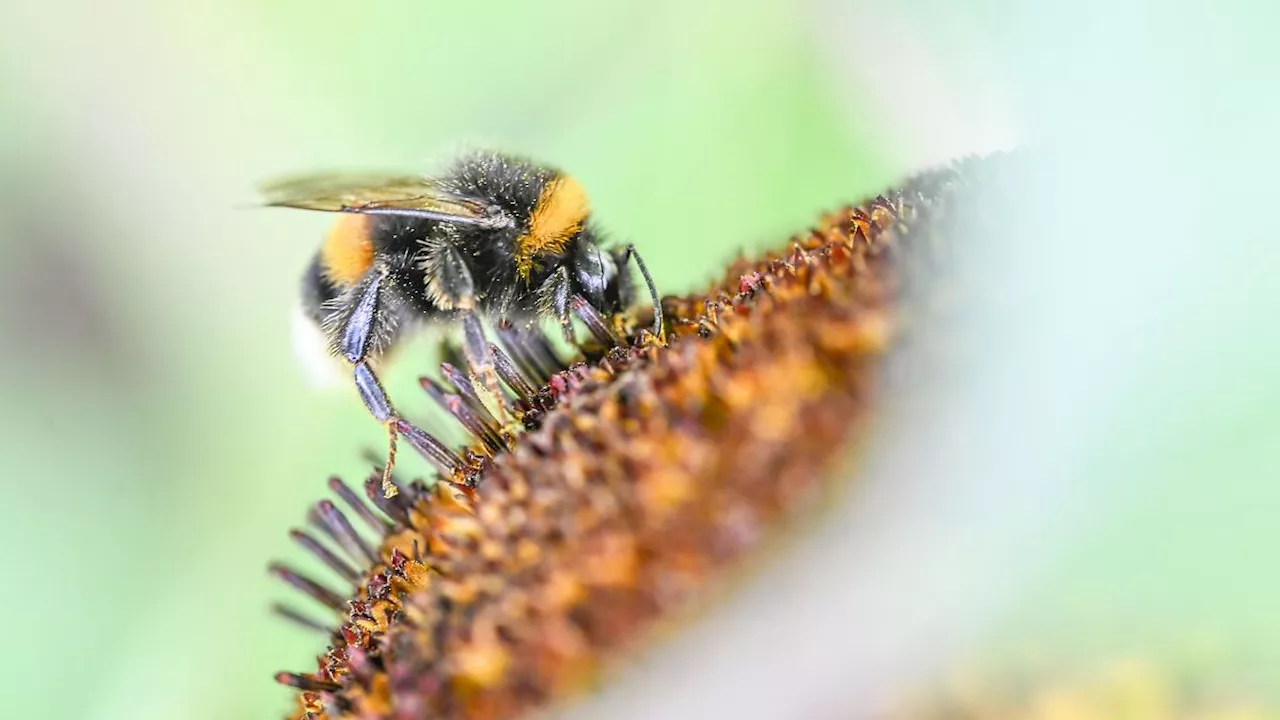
380, 194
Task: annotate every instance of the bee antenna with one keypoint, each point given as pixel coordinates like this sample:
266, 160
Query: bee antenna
633, 254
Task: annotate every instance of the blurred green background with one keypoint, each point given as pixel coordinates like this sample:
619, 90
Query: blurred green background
159, 439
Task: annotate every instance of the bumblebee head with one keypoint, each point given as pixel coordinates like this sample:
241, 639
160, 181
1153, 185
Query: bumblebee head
596, 274
559, 227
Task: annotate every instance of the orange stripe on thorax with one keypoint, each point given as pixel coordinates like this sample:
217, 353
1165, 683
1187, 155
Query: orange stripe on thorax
558, 216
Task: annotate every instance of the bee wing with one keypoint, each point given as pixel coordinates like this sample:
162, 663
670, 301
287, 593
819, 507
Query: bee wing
381, 194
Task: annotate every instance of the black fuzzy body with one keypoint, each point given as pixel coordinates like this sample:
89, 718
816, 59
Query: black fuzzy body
406, 250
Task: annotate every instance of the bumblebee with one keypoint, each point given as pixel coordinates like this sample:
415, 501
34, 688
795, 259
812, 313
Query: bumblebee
495, 238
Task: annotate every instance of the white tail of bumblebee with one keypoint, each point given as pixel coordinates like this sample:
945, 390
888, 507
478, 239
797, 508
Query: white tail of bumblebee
311, 350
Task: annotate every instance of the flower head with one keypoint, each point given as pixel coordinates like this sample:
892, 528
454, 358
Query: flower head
646, 472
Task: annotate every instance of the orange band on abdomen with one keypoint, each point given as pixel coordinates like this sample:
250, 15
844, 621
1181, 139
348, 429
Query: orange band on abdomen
347, 252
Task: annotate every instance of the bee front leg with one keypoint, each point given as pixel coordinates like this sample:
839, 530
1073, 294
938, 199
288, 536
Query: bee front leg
555, 293
354, 346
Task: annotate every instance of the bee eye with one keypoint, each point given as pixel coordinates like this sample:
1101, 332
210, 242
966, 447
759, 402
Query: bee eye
594, 269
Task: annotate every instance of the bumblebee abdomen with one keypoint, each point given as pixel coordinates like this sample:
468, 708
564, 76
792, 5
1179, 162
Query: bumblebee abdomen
317, 289
347, 252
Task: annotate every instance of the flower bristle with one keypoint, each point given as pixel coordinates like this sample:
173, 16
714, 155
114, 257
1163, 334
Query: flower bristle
643, 473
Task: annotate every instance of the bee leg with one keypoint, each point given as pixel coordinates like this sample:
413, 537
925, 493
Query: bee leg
354, 345
379, 405
633, 254
556, 291
476, 349
451, 288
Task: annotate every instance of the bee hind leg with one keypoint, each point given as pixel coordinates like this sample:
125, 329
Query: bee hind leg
354, 345
379, 405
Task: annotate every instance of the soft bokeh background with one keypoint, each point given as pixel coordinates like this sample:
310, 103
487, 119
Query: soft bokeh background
1111, 466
